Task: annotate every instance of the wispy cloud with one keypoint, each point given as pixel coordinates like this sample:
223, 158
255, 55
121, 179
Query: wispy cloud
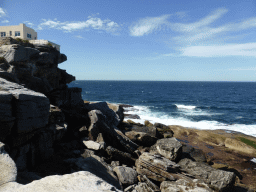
2, 12
29, 23
246, 49
244, 69
148, 25
91, 23
5, 21
201, 38
79, 37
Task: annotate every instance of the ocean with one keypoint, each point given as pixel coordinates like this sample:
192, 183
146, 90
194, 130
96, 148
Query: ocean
201, 105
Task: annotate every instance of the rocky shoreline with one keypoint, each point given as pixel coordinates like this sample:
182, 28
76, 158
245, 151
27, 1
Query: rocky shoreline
51, 140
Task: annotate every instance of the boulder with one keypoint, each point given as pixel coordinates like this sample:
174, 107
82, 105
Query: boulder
118, 109
156, 167
76, 182
126, 175
112, 136
141, 138
170, 148
184, 185
8, 169
112, 118
221, 180
93, 145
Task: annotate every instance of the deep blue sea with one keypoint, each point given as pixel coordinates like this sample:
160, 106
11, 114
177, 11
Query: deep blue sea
201, 105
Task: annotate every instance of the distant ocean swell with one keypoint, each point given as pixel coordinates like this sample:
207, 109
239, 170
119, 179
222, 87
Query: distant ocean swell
202, 105
145, 113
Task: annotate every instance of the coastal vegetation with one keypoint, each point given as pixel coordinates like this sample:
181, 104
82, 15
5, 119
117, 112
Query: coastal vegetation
248, 142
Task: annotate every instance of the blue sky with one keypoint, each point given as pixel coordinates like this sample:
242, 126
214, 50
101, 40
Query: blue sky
202, 40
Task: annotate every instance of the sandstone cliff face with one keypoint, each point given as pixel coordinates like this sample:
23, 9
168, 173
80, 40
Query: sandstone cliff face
29, 81
45, 128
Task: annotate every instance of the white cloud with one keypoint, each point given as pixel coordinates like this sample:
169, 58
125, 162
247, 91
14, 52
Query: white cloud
194, 27
246, 49
91, 23
79, 37
2, 12
5, 21
148, 25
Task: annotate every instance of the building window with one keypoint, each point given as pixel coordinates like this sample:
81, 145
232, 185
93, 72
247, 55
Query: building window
28, 35
10, 33
3, 34
17, 33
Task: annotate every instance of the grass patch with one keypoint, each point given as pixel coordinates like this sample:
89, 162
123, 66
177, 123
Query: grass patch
248, 142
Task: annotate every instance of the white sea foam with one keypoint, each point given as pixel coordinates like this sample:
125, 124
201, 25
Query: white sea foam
160, 117
253, 160
187, 107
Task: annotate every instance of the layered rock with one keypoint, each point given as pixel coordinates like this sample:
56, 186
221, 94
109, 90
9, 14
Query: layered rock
219, 179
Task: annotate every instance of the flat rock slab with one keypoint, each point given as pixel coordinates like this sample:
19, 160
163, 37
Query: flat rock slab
77, 182
156, 167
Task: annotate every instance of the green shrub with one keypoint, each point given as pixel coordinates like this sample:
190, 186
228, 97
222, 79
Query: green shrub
25, 41
49, 44
19, 39
248, 142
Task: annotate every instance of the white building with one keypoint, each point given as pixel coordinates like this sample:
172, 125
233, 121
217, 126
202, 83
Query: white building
18, 31
23, 32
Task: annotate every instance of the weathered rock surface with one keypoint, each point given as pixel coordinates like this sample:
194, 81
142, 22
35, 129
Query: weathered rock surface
192, 153
118, 109
6, 116
97, 167
156, 167
76, 182
170, 148
8, 170
110, 135
184, 185
143, 178
93, 145
112, 118
122, 157
217, 178
16, 53
126, 175
31, 108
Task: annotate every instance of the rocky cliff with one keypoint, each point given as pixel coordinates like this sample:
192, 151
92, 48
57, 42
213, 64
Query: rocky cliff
50, 140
